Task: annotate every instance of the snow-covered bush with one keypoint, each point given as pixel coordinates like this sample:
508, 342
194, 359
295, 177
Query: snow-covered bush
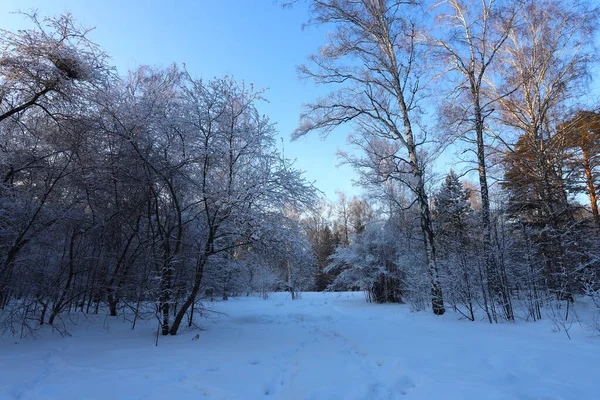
369, 264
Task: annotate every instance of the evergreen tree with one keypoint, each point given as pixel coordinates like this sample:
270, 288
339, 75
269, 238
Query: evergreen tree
452, 210
537, 199
326, 246
454, 222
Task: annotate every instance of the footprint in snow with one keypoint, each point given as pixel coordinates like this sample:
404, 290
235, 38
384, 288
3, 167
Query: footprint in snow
395, 391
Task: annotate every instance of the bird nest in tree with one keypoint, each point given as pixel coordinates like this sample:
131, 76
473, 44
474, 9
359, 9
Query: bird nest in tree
69, 66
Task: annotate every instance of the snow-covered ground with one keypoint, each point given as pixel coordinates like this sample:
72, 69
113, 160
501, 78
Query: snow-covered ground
323, 346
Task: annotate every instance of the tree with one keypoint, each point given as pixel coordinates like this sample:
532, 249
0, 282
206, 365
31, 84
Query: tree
454, 221
472, 34
370, 264
359, 214
545, 63
147, 179
241, 186
343, 217
452, 209
547, 58
537, 197
50, 63
322, 241
48, 71
374, 55
581, 136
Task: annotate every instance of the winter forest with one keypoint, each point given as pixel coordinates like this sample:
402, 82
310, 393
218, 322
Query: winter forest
154, 196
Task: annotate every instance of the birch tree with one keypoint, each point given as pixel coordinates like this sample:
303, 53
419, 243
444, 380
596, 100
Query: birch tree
467, 39
373, 56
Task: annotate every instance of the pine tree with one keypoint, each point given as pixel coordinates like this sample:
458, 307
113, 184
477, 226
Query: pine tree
581, 137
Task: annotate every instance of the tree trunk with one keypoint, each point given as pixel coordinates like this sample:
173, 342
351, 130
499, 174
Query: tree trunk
165, 295
112, 305
192, 296
495, 281
591, 188
60, 303
437, 298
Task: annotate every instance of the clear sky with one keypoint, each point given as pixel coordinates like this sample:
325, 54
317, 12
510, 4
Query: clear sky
253, 40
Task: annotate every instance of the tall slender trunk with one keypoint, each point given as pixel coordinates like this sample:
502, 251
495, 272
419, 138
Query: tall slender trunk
496, 281
437, 298
166, 295
387, 46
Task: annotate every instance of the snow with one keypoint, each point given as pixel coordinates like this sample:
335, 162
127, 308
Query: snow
322, 346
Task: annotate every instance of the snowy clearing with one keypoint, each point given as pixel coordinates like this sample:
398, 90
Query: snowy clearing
323, 346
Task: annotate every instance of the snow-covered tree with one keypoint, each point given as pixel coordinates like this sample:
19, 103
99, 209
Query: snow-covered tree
372, 61
148, 181
455, 233
370, 264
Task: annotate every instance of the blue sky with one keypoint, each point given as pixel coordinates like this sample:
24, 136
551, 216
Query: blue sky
253, 40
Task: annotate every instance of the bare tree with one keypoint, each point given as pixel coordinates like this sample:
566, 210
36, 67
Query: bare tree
53, 61
373, 54
469, 36
341, 211
52, 67
121, 191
